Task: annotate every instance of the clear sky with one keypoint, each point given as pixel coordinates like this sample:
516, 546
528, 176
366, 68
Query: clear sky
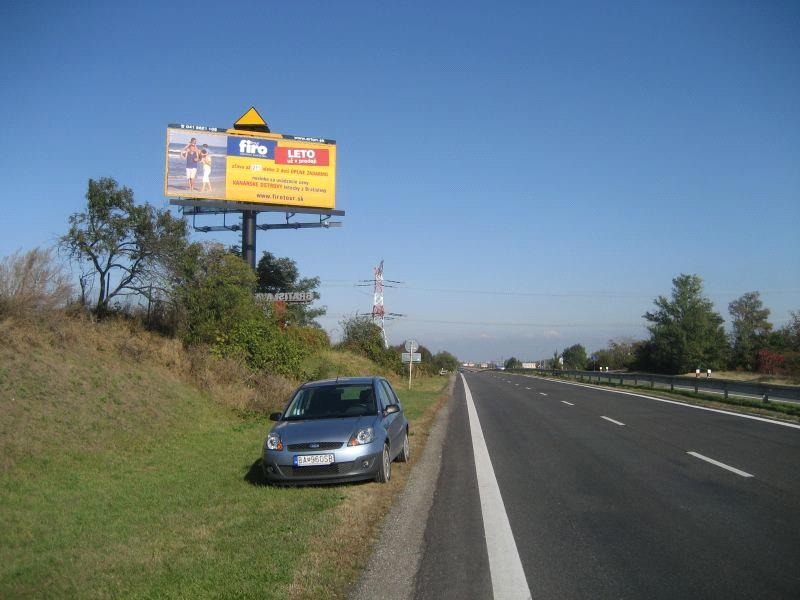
535, 173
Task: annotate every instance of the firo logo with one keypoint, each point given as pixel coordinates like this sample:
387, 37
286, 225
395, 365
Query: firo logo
252, 147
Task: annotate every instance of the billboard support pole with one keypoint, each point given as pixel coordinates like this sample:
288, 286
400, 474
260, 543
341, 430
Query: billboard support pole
249, 237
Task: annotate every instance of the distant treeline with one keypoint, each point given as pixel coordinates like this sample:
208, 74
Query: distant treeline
686, 333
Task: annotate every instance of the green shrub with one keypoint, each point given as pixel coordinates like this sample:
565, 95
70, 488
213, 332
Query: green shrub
313, 339
215, 290
261, 345
363, 337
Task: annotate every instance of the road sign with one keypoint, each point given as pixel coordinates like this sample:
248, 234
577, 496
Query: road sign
411, 345
411, 357
287, 297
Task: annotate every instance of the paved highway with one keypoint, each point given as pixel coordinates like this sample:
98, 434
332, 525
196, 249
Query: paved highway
556, 490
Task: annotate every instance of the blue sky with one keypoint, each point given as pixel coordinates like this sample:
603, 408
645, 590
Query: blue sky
535, 173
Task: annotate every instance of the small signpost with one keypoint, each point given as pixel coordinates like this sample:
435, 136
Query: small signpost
411, 356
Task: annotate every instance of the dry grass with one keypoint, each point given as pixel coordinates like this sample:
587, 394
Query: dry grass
750, 377
32, 283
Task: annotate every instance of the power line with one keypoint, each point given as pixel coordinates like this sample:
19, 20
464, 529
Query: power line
565, 294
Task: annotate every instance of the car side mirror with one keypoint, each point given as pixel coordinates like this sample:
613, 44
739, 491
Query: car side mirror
391, 409
275, 416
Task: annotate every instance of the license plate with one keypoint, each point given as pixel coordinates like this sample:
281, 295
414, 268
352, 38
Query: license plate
307, 460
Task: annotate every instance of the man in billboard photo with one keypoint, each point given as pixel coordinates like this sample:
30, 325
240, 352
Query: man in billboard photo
192, 155
205, 159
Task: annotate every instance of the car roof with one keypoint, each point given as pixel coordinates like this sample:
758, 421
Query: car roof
343, 380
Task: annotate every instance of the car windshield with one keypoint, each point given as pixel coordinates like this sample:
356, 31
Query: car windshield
335, 401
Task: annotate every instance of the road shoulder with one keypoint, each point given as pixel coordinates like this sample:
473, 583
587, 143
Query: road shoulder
385, 576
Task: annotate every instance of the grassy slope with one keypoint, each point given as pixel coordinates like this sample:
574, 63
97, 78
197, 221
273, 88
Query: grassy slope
120, 478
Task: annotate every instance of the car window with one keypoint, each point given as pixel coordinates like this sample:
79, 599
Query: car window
332, 402
393, 399
383, 397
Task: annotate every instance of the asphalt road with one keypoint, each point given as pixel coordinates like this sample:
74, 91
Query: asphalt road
603, 499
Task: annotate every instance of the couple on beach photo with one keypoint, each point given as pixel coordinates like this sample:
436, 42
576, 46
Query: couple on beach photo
196, 156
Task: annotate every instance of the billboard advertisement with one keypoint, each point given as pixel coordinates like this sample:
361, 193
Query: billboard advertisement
243, 166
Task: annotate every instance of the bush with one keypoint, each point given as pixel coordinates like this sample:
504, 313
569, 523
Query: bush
313, 339
363, 337
215, 291
32, 283
262, 346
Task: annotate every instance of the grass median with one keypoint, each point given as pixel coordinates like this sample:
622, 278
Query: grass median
120, 479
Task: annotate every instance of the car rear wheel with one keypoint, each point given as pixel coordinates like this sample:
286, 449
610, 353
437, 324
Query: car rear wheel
405, 453
385, 469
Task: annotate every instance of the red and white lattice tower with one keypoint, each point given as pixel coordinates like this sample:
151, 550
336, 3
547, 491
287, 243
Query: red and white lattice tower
378, 312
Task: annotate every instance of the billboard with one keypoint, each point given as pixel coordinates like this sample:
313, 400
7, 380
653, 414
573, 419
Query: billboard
245, 166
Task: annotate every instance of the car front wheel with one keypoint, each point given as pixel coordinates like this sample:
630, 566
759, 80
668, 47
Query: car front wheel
385, 469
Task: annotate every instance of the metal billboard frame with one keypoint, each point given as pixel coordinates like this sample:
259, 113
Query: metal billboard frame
252, 122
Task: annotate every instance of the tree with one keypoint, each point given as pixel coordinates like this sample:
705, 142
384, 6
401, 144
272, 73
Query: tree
362, 336
599, 358
215, 290
513, 363
127, 249
445, 360
277, 275
788, 336
750, 326
685, 331
575, 357
768, 361
620, 354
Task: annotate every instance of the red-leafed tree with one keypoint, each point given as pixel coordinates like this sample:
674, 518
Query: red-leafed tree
769, 362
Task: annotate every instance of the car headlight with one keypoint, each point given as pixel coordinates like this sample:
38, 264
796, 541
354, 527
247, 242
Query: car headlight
363, 436
274, 442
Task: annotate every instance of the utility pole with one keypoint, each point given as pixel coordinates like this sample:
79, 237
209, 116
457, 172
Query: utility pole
378, 311
379, 314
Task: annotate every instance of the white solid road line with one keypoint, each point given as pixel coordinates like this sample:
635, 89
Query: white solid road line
527, 388
714, 410
542, 394
565, 402
719, 464
505, 566
613, 421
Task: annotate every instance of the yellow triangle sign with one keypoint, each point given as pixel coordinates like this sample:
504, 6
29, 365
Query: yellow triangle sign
251, 117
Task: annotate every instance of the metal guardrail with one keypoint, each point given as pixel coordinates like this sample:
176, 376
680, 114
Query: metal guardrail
725, 387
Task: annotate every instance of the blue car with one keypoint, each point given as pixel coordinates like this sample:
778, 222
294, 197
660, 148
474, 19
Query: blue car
345, 429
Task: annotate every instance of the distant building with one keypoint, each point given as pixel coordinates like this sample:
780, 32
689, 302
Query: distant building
529, 365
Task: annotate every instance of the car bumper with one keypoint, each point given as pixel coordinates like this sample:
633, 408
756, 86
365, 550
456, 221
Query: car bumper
350, 464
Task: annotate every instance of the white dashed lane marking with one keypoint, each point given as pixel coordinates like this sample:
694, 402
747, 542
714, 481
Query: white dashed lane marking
720, 464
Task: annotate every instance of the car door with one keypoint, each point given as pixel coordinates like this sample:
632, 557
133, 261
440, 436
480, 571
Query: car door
389, 421
397, 424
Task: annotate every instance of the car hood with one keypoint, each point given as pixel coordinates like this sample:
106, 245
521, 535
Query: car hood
321, 430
